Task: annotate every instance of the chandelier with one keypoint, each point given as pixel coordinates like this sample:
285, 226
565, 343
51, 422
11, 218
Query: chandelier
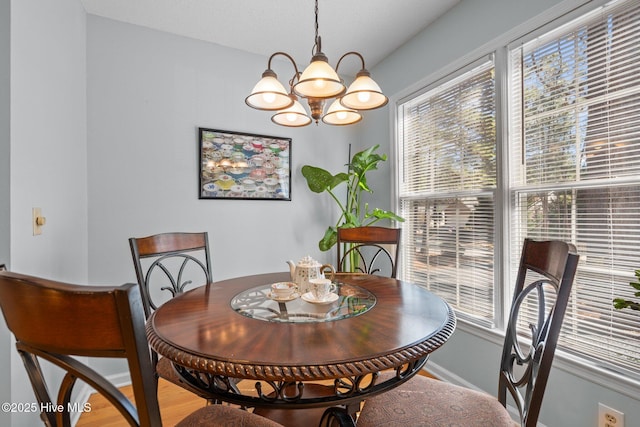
318, 83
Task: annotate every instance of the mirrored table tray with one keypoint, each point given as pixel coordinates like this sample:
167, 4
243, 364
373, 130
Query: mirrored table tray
350, 301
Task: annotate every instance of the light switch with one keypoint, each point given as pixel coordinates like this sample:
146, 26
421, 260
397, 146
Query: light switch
37, 221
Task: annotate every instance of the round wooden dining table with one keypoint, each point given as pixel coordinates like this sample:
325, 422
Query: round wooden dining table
376, 334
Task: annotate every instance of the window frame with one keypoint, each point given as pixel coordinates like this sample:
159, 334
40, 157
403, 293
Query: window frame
499, 296
500, 47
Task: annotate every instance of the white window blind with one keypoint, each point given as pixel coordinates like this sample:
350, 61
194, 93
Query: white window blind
575, 170
447, 183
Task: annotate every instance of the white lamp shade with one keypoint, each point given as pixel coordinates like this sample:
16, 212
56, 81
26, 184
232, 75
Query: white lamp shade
269, 94
319, 80
364, 94
294, 116
339, 115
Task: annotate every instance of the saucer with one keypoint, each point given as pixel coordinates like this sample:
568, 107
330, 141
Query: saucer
308, 297
283, 299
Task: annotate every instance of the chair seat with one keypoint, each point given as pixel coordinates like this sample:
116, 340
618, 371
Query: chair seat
225, 416
423, 401
166, 371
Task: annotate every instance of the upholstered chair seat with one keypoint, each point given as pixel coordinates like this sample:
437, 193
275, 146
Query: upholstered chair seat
424, 401
225, 416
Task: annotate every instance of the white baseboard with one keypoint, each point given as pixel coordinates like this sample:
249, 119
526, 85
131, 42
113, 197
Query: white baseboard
445, 375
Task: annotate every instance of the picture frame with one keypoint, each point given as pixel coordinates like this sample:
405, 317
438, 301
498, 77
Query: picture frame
243, 166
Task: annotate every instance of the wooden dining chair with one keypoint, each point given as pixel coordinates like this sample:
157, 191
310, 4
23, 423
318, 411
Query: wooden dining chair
166, 265
543, 285
370, 250
55, 322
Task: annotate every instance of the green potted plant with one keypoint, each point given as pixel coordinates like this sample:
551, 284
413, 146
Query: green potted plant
621, 303
353, 213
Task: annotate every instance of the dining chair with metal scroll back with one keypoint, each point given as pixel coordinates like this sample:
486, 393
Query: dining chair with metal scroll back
543, 285
55, 322
166, 265
370, 250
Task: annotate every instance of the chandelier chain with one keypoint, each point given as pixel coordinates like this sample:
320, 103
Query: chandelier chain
317, 45
316, 12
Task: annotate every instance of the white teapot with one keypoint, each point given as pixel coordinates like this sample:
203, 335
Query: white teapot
307, 269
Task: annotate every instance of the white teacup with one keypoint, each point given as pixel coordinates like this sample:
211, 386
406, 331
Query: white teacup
256, 161
238, 157
236, 190
227, 150
270, 183
321, 288
249, 184
283, 289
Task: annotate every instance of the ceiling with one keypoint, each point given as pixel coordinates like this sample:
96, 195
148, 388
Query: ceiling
375, 28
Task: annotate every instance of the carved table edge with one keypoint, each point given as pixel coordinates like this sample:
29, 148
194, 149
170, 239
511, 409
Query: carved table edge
302, 372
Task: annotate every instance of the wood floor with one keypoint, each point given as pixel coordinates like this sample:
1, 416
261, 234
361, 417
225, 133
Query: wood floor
175, 404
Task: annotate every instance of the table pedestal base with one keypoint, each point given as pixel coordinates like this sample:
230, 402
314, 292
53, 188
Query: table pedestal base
299, 417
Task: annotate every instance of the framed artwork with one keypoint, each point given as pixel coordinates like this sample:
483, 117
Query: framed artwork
235, 165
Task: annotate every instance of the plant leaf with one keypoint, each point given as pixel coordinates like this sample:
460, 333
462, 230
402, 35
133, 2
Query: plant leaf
329, 239
338, 179
351, 220
382, 214
366, 160
619, 303
362, 183
320, 180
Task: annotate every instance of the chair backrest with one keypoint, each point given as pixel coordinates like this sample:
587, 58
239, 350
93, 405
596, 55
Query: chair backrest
370, 250
543, 285
172, 262
55, 321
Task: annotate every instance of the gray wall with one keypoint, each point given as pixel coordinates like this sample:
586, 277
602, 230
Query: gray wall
48, 154
48, 137
466, 32
5, 30
148, 92
5, 337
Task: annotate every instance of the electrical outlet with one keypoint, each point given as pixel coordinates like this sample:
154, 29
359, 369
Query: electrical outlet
609, 417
